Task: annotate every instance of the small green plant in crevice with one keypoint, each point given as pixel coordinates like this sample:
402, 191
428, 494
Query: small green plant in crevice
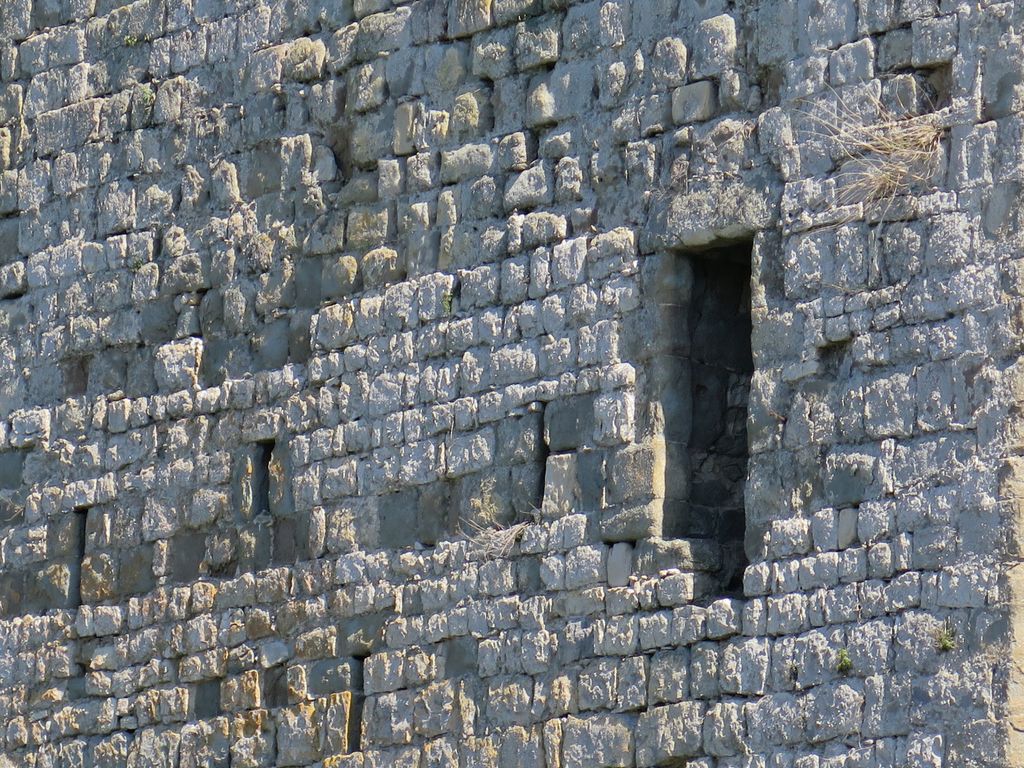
130, 41
146, 96
844, 664
945, 638
448, 302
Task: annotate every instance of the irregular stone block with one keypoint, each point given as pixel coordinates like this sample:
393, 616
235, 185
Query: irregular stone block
99, 577
561, 488
670, 59
714, 48
12, 467
620, 564
604, 741
177, 365
466, 17
669, 733
298, 735
632, 521
694, 103
537, 42
470, 161
530, 189
849, 478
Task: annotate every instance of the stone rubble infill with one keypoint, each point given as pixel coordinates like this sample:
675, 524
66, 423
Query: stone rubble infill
500, 383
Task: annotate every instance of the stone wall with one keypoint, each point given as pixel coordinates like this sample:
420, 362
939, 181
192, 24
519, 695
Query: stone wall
381, 386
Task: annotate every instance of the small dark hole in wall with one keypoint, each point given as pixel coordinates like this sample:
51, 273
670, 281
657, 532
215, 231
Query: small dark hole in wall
770, 80
275, 687
207, 701
261, 478
836, 361
938, 83
355, 717
76, 376
542, 463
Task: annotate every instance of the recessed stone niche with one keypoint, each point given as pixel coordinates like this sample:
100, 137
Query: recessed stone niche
699, 373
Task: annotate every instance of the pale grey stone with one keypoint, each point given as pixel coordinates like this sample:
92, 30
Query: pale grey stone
694, 103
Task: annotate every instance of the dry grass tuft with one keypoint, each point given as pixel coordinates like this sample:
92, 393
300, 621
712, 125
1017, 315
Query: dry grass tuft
488, 538
493, 541
889, 155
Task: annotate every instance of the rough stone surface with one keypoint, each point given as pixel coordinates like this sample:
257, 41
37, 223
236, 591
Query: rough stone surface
501, 383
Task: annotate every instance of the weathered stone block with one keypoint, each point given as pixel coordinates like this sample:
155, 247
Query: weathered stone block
599, 740
396, 514
177, 365
466, 17
561, 487
99, 577
694, 103
298, 735
669, 733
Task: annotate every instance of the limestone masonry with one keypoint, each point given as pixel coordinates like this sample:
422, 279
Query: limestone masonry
511, 383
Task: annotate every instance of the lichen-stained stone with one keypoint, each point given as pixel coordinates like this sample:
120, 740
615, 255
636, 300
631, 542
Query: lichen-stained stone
204, 743
472, 115
154, 747
333, 326
241, 693
669, 732
98, 577
536, 43
466, 17
252, 738
298, 735
452, 258
468, 161
598, 740
336, 724
714, 47
177, 365
368, 227
670, 59
304, 60
382, 266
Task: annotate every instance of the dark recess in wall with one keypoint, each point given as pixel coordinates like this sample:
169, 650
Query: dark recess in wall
721, 365
78, 530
